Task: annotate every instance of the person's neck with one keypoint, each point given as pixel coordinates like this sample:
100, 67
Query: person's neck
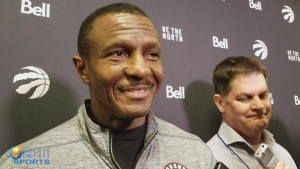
127, 124
119, 124
253, 139
114, 123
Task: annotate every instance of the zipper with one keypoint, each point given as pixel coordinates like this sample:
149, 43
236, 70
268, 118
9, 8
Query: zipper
111, 152
137, 158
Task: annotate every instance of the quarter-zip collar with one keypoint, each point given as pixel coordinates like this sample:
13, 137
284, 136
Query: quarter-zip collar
99, 139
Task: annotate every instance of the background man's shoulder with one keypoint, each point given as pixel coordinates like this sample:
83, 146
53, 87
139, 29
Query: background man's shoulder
167, 129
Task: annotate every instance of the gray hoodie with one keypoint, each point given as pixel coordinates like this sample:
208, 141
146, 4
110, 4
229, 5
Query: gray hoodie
80, 143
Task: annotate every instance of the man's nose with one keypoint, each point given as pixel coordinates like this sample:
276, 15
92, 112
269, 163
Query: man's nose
257, 103
138, 67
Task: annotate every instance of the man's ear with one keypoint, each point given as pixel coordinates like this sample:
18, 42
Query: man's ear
82, 68
219, 101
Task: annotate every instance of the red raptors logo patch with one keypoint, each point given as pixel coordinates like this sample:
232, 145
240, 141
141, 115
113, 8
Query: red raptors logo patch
174, 165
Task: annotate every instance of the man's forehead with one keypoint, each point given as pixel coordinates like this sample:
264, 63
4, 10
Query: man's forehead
240, 83
246, 76
111, 20
112, 24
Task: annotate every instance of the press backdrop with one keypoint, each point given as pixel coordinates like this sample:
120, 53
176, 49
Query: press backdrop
40, 89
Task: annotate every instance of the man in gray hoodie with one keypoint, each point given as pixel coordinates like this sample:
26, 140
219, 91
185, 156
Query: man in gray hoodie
120, 60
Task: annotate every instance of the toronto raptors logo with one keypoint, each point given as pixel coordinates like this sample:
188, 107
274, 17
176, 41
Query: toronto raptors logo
174, 165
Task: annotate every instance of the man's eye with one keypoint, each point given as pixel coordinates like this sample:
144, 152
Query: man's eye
263, 96
244, 99
119, 53
152, 56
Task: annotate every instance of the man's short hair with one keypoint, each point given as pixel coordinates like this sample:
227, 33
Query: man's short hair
87, 24
225, 71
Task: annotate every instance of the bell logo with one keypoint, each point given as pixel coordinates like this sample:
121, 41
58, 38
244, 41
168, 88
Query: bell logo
263, 50
220, 44
256, 6
43, 11
297, 101
177, 94
289, 14
41, 82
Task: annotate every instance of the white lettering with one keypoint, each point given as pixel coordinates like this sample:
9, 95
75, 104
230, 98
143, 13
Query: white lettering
173, 34
26, 4
169, 90
297, 101
43, 11
271, 98
215, 42
177, 94
293, 55
221, 44
256, 6
165, 29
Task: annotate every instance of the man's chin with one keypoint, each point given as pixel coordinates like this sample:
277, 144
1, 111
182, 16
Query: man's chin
261, 126
135, 112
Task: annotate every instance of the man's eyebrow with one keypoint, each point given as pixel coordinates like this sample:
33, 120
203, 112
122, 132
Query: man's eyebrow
249, 94
245, 94
125, 42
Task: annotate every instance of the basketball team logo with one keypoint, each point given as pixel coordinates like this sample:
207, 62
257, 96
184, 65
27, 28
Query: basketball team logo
288, 14
175, 165
261, 49
39, 81
15, 152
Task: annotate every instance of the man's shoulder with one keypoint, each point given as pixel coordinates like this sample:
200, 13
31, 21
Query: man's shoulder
217, 147
280, 150
167, 129
177, 141
59, 134
212, 142
55, 137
